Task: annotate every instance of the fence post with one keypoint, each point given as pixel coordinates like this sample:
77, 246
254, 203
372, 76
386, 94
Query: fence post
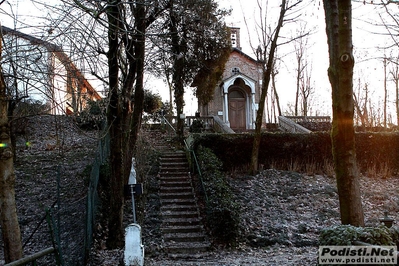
57, 248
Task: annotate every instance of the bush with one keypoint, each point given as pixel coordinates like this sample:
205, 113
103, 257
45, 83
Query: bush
197, 126
93, 116
23, 110
222, 212
344, 235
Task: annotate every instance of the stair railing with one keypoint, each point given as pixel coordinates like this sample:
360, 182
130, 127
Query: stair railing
292, 127
192, 153
198, 169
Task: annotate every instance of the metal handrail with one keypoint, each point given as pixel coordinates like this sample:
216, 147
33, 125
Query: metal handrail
198, 170
195, 160
318, 119
168, 123
291, 126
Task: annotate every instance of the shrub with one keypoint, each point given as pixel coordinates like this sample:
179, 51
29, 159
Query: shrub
23, 110
343, 235
197, 126
222, 212
93, 116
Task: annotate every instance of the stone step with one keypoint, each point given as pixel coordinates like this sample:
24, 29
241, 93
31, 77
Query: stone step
198, 256
180, 202
174, 171
173, 158
187, 248
170, 183
180, 222
179, 214
182, 229
179, 195
184, 237
174, 165
177, 189
171, 155
173, 175
174, 179
179, 208
177, 161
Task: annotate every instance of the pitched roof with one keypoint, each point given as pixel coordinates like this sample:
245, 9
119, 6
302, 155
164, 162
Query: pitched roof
58, 52
245, 55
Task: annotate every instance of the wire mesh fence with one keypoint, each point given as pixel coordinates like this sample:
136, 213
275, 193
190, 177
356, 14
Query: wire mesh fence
92, 194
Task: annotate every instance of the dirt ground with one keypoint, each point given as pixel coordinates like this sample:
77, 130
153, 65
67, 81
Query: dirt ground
52, 155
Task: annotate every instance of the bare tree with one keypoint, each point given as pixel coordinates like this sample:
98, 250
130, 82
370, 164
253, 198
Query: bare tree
276, 96
361, 100
8, 215
300, 46
394, 72
266, 53
114, 49
306, 90
385, 62
338, 16
119, 32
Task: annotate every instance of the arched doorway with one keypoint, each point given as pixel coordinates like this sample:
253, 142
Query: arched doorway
237, 109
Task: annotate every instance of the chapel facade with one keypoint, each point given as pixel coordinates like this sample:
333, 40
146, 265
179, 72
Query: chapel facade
236, 98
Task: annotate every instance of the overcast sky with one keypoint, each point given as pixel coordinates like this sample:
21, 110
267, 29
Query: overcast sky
245, 15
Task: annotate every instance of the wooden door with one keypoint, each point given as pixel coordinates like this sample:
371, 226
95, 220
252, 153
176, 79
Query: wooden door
237, 113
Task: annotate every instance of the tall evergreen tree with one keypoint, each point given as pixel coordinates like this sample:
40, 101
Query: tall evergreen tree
195, 39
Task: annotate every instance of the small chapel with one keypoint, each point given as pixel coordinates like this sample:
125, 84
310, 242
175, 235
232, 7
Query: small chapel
237, 96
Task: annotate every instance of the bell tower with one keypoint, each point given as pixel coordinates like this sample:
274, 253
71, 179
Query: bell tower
235, 37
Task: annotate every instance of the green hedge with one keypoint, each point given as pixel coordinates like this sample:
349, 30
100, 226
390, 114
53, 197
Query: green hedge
222, 213
234, 150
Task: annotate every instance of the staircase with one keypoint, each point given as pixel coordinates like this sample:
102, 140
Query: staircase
183, 233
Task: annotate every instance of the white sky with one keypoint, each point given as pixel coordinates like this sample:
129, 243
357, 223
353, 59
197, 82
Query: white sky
368, 66
245, 15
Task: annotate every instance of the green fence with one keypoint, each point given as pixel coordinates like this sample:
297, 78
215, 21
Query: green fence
92, 195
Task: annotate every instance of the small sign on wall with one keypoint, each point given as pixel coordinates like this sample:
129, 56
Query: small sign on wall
220, 112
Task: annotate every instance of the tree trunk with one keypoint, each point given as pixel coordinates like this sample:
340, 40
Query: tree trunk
275, 93
339, 34
8, 211
385, 92
396, 80
178, 49
265, 85
139, 51
115, 215
298, 81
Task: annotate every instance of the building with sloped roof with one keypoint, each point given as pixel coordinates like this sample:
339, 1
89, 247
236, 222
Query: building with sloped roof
37, 69
236, 98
